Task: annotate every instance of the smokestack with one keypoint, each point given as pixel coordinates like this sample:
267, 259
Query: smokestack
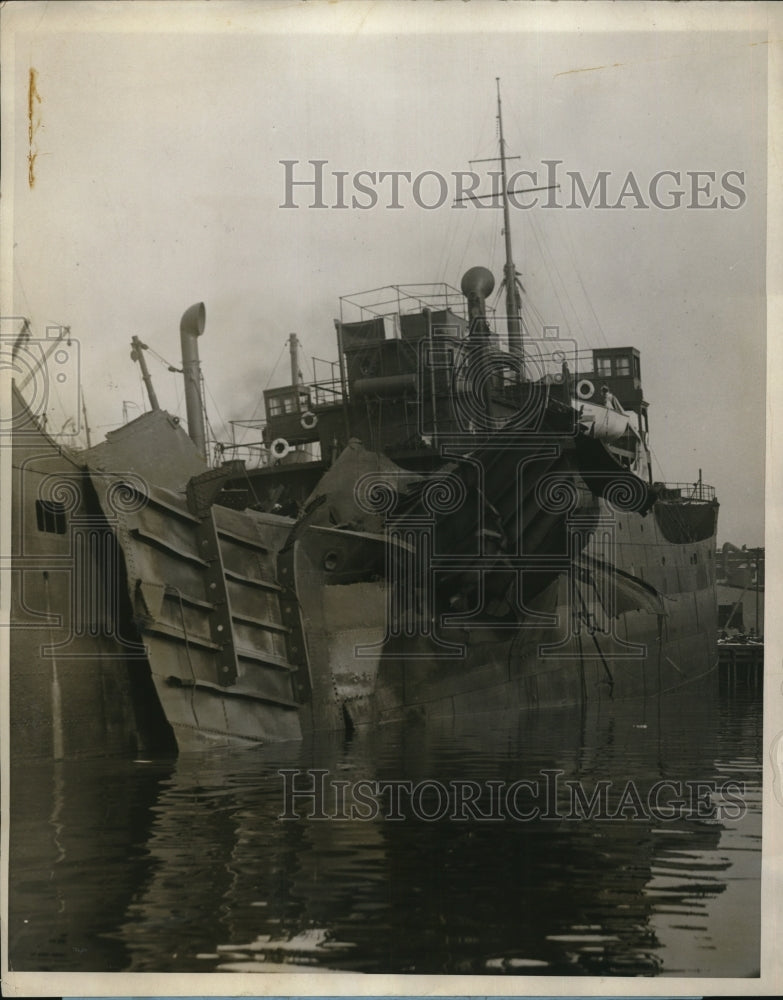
477, 285
191, 326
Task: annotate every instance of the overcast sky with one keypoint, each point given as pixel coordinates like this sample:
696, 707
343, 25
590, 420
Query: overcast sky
159, 135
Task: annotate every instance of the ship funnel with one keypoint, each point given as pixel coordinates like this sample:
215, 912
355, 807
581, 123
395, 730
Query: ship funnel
477, 285
191, 326
477, 281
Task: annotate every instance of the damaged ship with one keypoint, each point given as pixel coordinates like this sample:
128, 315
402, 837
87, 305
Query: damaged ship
450, 523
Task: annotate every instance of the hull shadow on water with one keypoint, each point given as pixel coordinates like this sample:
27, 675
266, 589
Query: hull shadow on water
186, 865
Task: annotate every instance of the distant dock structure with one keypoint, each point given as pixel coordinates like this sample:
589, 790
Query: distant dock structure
740, 589
741, 665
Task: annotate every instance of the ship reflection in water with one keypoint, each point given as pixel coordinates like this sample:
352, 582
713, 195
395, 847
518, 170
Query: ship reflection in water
184, 866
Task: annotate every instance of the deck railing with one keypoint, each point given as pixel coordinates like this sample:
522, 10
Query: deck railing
686, 491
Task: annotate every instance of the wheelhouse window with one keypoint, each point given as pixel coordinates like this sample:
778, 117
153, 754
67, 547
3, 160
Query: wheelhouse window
604, 366
622, 366
292, 399
50, 516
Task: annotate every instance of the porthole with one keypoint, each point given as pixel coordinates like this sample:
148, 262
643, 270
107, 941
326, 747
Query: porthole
50, 516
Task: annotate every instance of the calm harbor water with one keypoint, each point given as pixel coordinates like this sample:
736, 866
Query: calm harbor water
185, 866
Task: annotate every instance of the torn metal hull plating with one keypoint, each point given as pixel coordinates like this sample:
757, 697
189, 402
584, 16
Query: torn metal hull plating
249, 627
595, 635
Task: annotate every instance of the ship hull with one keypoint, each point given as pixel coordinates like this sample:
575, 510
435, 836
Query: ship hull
582, 656
79, 679
148, 616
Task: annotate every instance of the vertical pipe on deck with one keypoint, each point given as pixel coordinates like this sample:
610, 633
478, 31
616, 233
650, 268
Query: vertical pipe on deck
428, 317
191, 327
343, 382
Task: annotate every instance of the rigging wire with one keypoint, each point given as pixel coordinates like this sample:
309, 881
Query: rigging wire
446, 270
572, 253
173, 370
168, 364
545, 254
493, 252
657, 461
467, 244
484, 145
217, 410
179, 393
535, 314
141, 390
17, 272
566, 239
260, 399
556, 279
446, 250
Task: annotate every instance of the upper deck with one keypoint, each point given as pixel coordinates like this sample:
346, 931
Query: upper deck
406, 355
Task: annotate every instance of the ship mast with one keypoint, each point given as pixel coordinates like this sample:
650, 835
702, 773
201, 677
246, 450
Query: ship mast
513, 313
514, 324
